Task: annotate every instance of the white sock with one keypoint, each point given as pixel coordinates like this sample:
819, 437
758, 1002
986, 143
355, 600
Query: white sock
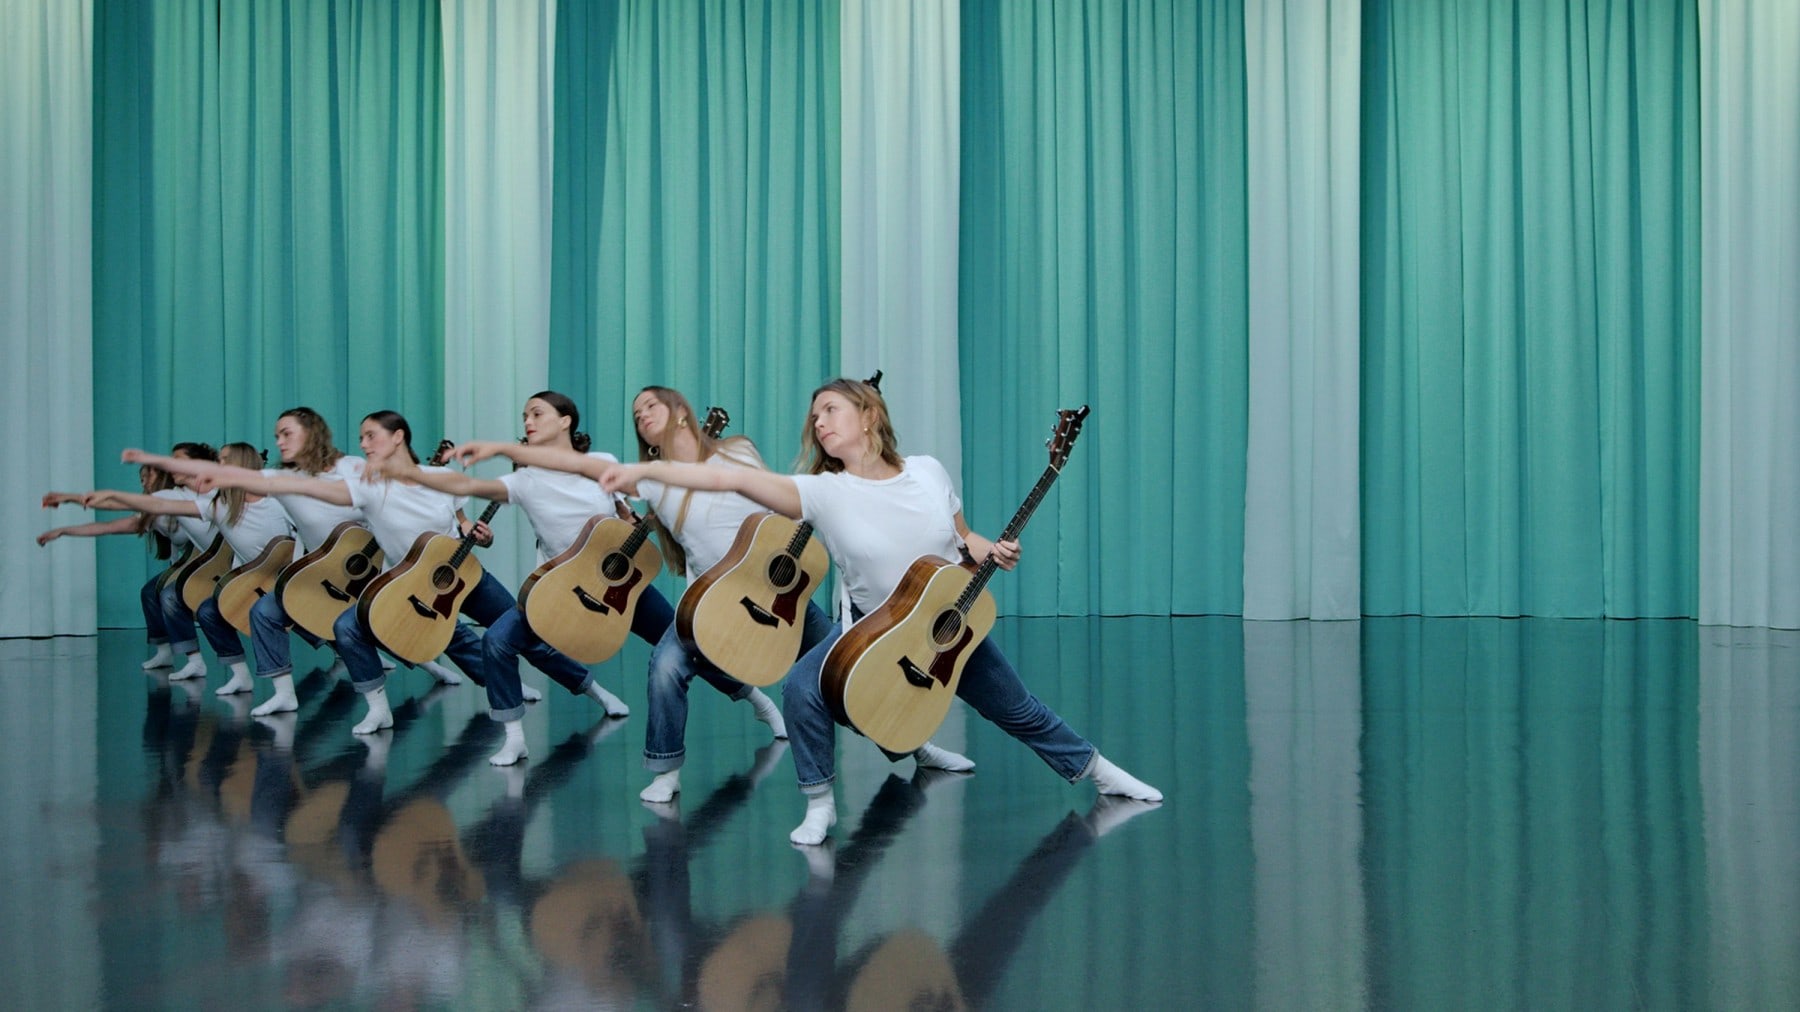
766, 712
444, 675
529, 694
1109, 779
613, 705
821, 815
283, 701
935, 757
194, 668
662, 788
164, 657
379, 714
513, 749
240, 680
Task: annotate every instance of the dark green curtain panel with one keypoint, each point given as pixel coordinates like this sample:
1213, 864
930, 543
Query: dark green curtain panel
1530, 309
1103, 261
268, 218
695, 241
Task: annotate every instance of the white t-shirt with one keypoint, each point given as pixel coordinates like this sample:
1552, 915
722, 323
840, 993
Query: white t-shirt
397, 513
261, 522
712, 519
315, 519
875, 529
557, 503
197, 531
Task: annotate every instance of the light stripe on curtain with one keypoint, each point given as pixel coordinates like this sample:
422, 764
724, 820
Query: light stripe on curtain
268, 222
1103, 261
699, 247
1750, 280
1301, 520
900, 80
46, 279
1530, 312
498, 139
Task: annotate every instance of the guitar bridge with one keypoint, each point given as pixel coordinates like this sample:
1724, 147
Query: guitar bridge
333, 592
589, 601
424, 610
758, 613
914, 674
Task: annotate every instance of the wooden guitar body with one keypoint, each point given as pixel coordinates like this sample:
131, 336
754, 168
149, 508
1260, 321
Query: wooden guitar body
204, 573
411, 609
245, 585
582, 601
320, 585
892, 675
747, 614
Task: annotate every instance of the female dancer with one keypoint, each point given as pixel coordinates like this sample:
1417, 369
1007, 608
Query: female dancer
247, 521
397, 513
167, 536
876, 512
558, 505
705, 524
303, 439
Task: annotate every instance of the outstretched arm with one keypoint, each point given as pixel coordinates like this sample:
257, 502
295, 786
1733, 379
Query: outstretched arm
186, 465
55, 499
111, 499
549, 457
766, 488
335, 492
99, 528
398, 467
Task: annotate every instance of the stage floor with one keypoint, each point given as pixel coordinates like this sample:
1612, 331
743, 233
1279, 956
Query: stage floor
1393, 813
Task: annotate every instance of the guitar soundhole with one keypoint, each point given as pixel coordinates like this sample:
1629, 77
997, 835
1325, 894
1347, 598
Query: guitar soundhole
947, 628
615, 567
781, 572
443, 578
356, 566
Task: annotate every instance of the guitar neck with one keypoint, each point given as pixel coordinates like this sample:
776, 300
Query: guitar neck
468, 540
985, 571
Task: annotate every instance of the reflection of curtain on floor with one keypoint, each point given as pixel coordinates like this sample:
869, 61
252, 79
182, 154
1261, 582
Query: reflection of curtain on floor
497, 155
1750, 276
1749, 778
1102, 262
1530, 309
1303, 703
1301, 523
697, 144
46, 290
268, 213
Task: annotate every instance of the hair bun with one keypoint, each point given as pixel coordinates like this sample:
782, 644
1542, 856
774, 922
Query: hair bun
581, 441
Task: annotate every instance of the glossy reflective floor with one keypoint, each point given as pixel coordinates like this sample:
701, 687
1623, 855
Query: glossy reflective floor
1395, 813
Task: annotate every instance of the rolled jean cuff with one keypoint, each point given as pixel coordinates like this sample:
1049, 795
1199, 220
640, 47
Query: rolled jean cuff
285, 669
509, 714
819, 787
186, 646
1087, 768
664, 763
156, 641
372, 685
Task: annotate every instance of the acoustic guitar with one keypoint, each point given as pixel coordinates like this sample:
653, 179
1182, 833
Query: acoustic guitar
891, 676
582, 601
747, 614
411, 609
322, 584
203, 573
245, 585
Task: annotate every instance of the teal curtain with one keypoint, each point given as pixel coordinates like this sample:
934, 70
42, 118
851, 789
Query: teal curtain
1103, 261
1530, 309
695, 242
268, 227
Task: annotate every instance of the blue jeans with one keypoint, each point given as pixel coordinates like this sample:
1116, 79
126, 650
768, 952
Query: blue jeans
150, 598
269, 628
989, 685
511, 636
672, 667
178, 622
486, 603
221, 634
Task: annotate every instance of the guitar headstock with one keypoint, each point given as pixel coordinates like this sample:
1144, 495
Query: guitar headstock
1068, 426
716, 420
441, 454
